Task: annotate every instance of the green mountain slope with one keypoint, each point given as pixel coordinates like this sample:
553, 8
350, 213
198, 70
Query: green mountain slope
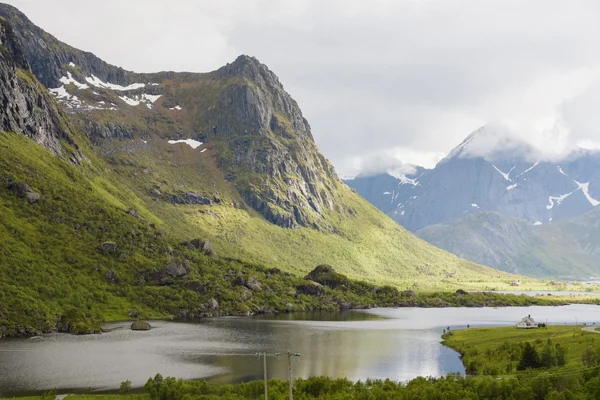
98, 208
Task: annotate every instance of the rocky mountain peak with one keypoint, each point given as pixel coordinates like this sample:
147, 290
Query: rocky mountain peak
48, 57
250, 68
27, 108
494, 142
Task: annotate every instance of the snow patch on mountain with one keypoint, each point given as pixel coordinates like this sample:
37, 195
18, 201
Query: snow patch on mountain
148, 99
529, 169
190, 142
561, 170
558, 199
69, 79
511, 187
387, 192
505, 175
585, 189
95, 81
536, 223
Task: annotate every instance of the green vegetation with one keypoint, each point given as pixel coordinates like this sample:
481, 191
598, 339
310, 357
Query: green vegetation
510, 351
453, 387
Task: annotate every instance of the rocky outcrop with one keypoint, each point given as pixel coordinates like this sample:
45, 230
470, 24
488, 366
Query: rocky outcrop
107, 247
23, 191
111, 276
47, 55
205, 246
189, 198
311, 289
140, 326
177, 269
268, 136
253, 284
326, 275
27, 108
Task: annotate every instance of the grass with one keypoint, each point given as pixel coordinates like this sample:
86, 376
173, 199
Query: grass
496, 351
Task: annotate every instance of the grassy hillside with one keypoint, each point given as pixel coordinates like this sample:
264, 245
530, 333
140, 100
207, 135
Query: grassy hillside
81, 255
497, 351
367, 244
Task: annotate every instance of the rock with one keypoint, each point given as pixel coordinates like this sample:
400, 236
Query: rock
140, 326
246, 294
345, 305
326, 275
133, 314
155, 192
253, 284
133, 212
23, 191
111, 276
107, 247
189, 198
212, 304
188, 245
239, 281
263, 310
310, 288
408, 294
274, 271
460, 291
289, 307
177, 269
197, 287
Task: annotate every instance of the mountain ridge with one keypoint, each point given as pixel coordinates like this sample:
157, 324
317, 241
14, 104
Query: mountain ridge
489, 175
186, 188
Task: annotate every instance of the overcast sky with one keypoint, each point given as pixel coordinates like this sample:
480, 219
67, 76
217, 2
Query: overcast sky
381, 82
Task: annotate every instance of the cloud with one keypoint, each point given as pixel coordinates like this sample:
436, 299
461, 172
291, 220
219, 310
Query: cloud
416, 75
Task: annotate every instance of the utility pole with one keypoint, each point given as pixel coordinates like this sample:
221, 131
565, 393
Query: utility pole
265, 370
290, 379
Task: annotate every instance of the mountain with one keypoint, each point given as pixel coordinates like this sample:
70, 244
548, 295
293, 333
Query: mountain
179, 194
482, 201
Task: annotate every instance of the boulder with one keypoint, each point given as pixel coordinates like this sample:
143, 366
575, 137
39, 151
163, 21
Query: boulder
461, 291
408, 294
239, 281
133, 212
177, 269
310, 288
140, 326
107, 247
23, 191
326, 275
111, 276
212, 304
197, 287
189, 198
205, 246
253, 284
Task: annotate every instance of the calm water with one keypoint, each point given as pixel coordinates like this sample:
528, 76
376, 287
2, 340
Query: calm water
382, 343
548, 292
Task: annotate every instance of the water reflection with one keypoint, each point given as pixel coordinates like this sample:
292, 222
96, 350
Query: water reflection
399, 344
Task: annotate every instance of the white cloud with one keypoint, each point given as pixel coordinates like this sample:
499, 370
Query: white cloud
417, 76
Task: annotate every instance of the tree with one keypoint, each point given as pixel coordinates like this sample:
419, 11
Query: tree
125, 387
529, 358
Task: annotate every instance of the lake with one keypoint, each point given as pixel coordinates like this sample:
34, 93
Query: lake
399, 344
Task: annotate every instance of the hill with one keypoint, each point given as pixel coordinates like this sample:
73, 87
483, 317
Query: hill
181, 194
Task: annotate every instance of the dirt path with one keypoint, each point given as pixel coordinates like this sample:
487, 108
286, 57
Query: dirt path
590, 329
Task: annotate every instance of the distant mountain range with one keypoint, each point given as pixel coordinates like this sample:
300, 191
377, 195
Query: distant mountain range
496, 201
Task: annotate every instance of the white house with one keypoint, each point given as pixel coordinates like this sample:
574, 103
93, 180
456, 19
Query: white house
527, 323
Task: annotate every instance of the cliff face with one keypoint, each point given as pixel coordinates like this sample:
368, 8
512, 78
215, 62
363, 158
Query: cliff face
269, 149
26, 106
48, 56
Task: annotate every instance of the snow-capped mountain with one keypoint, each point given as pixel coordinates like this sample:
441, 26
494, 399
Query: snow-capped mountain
489, 171
495, 200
